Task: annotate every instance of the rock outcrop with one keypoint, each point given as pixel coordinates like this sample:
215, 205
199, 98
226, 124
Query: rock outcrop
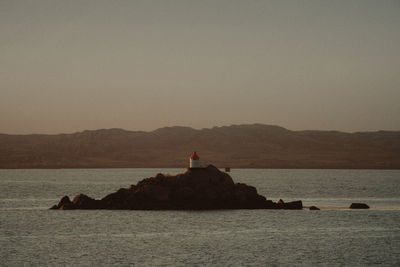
359, 206
196, 189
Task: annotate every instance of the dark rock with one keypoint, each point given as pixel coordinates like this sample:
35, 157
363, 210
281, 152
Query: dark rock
294, 205
82, 201
359, 206
67, 206
117, 200
64, 201
196, 189
314, 208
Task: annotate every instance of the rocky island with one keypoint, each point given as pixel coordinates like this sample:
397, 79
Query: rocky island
197, 189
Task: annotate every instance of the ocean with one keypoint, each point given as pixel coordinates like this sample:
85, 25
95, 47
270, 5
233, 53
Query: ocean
33, 235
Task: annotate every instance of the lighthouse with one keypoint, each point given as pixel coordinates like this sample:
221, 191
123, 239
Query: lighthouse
194, 161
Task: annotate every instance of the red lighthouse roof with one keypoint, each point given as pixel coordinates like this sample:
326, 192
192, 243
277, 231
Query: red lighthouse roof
194, 156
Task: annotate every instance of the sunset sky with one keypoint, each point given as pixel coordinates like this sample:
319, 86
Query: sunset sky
67, 66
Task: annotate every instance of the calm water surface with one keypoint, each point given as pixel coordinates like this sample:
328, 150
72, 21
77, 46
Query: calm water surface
30, 234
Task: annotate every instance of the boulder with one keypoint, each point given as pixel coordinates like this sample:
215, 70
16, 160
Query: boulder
359, 206
67, 206
82, 201
64, 203
294, 205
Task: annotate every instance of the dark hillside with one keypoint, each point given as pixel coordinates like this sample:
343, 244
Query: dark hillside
245, 146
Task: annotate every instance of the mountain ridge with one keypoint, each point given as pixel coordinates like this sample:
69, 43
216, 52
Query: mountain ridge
235, 146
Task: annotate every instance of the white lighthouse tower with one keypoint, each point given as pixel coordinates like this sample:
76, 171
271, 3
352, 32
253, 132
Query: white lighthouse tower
194, 161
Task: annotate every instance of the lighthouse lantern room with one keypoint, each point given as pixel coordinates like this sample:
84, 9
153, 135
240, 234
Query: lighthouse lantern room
194, 161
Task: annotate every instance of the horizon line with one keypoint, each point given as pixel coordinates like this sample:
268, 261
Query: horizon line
200, 129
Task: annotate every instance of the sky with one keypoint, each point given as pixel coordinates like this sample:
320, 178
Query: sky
68, 66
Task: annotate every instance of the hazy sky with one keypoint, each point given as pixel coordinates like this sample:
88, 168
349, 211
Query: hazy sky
67, 66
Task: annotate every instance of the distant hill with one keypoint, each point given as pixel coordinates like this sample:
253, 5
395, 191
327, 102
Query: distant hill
236, 146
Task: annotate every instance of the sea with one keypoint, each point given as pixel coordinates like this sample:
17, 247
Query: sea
33, 235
